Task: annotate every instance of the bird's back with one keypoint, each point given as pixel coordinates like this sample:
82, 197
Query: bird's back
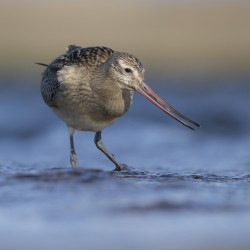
74, 58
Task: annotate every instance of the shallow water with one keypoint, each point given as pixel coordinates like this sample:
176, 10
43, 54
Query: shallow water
182, 190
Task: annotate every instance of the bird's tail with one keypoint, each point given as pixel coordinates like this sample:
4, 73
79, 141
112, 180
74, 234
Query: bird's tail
42, 64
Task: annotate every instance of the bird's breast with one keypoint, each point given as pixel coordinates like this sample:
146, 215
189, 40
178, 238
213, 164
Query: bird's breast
116, 104
86, 109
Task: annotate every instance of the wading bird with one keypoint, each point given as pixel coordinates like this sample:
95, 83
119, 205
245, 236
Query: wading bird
89, 88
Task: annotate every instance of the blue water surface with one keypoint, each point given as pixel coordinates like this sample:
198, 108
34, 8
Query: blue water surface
183, 189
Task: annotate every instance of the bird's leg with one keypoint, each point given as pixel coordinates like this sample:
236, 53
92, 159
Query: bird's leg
99, 144
73, 156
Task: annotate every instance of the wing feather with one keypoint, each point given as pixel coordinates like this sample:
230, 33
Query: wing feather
75, 56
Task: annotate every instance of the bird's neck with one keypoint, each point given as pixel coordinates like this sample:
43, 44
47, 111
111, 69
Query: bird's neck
115, 100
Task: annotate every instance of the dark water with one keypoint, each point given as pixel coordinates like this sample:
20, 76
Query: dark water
183, 190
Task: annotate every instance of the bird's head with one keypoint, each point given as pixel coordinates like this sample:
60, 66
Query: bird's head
126, 70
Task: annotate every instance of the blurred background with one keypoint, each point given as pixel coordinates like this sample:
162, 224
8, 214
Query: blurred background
167, 36
193, 187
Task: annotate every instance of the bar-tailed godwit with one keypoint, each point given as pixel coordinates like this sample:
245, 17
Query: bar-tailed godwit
90, 88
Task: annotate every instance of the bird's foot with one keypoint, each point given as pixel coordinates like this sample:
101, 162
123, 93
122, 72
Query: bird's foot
120, 167
74, 160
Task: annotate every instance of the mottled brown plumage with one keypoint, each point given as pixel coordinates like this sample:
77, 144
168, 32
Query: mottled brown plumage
89, 88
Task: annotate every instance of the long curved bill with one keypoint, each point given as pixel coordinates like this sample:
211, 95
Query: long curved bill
147, 92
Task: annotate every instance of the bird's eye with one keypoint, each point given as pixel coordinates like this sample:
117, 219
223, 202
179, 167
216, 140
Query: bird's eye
128, 70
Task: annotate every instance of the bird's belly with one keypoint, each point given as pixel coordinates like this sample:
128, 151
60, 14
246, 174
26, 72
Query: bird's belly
81, 121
